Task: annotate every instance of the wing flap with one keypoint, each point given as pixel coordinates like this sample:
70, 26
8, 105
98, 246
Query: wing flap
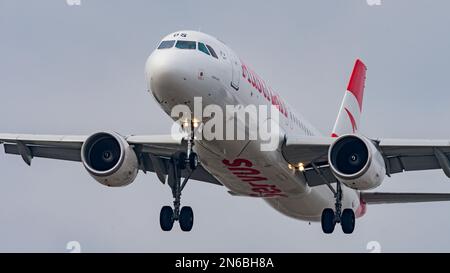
199, 174
160, 145
313, 178
306, 149
47, 152
413, 154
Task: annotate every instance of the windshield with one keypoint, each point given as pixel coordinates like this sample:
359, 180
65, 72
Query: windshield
186, 45
166, 44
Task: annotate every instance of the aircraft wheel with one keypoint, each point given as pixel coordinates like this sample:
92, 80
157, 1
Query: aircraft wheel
186, 219
166, 218
328, 221
193, 161
348, 221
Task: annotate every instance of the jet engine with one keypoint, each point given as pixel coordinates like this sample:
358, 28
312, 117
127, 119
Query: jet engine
356, 162
109, 159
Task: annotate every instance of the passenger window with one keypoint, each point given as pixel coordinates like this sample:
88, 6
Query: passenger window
203, 48
186, 45
213, 53
166, 44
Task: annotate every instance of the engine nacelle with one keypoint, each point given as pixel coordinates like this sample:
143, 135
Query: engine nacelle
356, 162
109, 159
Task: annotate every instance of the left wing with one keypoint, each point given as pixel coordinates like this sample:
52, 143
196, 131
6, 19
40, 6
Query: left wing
400, 155
153, 151
310, 154
378, 198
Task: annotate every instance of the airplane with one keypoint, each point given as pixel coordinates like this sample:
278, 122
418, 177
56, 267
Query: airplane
308, 176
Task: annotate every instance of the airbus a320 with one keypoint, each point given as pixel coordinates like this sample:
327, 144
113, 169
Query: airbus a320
308, 176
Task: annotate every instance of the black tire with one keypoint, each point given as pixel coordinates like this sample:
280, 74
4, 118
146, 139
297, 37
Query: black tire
186, 219
181, 158
193, 161
166, 218
328, 221
348, 221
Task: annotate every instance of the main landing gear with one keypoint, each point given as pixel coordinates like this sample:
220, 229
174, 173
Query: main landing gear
179, 162
330, 217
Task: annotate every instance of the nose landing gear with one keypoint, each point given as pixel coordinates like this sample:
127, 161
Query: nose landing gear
179, 162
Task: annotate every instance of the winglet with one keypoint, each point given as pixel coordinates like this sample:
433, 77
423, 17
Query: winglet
349, 115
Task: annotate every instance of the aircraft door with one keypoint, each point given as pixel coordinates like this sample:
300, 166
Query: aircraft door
236, 71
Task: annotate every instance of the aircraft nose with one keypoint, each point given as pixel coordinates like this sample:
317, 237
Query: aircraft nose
167, 74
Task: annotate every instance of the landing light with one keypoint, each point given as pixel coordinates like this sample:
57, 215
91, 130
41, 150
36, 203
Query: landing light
195, 122
301, 167
187, 124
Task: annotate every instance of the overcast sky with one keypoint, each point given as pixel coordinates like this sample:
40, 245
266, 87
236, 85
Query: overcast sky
80, 69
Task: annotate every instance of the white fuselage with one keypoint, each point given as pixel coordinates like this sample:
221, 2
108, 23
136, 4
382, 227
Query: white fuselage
176, 75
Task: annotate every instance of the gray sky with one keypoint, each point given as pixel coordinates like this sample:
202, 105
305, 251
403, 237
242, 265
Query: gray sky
79, 69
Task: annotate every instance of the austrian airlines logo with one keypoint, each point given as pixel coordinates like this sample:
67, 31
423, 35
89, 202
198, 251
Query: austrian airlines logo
352, 120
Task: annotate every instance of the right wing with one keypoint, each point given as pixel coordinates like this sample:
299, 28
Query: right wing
153, 151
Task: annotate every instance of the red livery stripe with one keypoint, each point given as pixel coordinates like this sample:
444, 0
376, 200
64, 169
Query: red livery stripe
357, 80
352, 120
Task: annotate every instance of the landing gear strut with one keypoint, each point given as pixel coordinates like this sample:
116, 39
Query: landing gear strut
178, 163
330, 217
192, 156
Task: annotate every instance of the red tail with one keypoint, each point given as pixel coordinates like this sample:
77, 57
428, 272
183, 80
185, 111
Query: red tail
349, 115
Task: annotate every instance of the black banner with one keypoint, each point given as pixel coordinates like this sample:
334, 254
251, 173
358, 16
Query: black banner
208, 262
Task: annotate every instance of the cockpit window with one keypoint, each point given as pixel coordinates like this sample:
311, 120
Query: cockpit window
213, 53
166, 44
186, 45
202, 48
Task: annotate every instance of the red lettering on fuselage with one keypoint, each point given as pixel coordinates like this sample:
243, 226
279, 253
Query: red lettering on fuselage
262, 88
237, 163
244, 170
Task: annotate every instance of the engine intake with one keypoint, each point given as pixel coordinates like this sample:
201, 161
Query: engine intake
357, 162
109, 159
